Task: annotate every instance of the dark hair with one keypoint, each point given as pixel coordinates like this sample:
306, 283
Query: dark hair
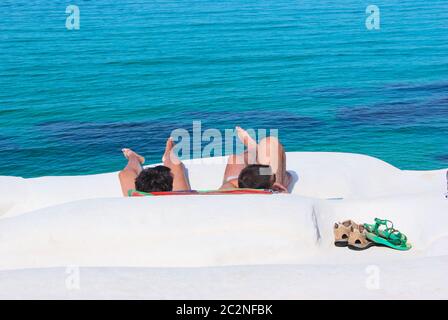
256, 176
153, 179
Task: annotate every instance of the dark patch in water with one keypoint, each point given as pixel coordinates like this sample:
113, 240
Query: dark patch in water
149, 137
434, 86
7, 143
395, 113
442, 157
108, 137
262, 119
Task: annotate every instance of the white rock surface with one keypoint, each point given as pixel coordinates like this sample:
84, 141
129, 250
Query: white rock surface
232, 246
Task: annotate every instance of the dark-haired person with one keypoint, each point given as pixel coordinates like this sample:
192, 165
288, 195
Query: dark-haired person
261, 166
169, 177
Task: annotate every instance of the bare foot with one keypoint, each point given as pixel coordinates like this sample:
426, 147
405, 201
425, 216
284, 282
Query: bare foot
128, 153
245, 138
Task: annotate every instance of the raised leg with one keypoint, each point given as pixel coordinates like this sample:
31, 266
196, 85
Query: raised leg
128, 175
237, 162
271, 152
170, 160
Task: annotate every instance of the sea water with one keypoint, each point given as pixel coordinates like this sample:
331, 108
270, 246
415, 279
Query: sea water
70, 99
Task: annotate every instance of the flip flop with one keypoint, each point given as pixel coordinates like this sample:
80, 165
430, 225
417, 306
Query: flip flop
358, 240
342, 232
384, 233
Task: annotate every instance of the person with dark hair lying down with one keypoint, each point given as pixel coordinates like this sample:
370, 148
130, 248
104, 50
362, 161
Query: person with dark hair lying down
170, 176
261, 166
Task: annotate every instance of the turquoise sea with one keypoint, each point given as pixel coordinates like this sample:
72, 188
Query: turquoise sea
135, 70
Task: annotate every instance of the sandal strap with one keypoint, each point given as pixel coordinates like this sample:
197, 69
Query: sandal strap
380, 222
401, 238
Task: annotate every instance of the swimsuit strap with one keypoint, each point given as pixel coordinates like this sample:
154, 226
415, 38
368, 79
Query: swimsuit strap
231, 178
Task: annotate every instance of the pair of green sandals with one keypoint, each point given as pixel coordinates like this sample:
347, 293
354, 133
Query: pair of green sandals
383, 233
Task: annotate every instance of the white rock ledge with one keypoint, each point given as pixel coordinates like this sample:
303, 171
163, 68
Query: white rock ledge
240, 246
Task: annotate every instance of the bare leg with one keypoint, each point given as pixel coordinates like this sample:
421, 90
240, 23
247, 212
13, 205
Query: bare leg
271, 152
128, 175
250, 156
236, 163
170, 160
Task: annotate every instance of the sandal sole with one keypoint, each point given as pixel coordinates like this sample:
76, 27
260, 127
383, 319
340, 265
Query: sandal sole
384, 242
356, 248
341, 244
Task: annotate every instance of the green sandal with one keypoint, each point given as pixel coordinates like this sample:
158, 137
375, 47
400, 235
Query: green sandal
388, 235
